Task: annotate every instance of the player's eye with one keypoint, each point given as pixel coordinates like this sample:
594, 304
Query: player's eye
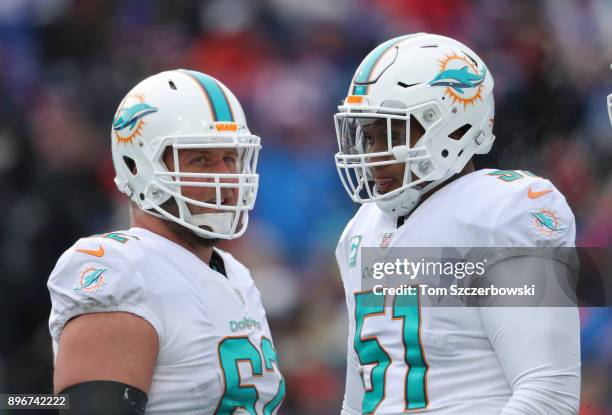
230, 160
199, 160
369, 141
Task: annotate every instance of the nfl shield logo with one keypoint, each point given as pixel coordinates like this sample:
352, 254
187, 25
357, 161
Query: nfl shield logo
386, 240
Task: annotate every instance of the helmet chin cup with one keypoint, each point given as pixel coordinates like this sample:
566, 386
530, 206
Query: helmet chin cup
400, 202
219, 222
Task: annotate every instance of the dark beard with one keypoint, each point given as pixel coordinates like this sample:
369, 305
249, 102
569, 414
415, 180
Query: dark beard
192, 239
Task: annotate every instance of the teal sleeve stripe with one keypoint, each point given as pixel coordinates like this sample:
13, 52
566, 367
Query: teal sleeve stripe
217, 98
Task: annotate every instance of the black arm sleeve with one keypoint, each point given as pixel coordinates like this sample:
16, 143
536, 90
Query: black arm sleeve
100, 397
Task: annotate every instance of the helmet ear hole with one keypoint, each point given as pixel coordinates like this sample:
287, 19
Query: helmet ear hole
460, 132
130, 164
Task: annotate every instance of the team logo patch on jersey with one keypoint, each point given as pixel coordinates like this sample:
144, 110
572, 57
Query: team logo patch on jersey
461, 77
128, 122
355, 242
546, 222
91, 279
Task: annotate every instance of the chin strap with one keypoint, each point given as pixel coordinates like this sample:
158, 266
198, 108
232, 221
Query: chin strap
220, 222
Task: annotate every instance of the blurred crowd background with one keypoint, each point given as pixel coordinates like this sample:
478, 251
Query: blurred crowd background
66, 64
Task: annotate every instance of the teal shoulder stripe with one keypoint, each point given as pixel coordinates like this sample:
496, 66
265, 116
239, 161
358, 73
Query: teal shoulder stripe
363, 73
222, 111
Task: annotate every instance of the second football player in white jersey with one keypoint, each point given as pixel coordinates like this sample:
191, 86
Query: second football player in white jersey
418, 109
154, 318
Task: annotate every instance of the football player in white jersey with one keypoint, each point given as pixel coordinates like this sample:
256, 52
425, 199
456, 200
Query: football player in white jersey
418, 108
154, 319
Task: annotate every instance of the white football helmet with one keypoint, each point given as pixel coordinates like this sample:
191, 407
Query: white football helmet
184, 109
429, 79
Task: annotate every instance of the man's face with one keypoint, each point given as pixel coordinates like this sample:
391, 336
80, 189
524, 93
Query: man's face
222, 161
390, 176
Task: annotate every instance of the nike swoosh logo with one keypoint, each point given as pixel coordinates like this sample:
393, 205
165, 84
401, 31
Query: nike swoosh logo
95, 252
534, 195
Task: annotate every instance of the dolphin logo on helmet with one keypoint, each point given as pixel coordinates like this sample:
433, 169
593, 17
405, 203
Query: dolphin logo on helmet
128, 117
458, 79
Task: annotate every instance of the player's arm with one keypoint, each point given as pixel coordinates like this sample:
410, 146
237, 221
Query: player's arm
537, 347
104, 332
120, 347
105, 364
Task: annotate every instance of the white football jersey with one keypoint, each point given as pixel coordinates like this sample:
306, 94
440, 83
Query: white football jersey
216, 354
450, 360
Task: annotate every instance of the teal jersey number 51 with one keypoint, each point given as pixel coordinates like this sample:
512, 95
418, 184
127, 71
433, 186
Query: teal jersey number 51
370, 352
